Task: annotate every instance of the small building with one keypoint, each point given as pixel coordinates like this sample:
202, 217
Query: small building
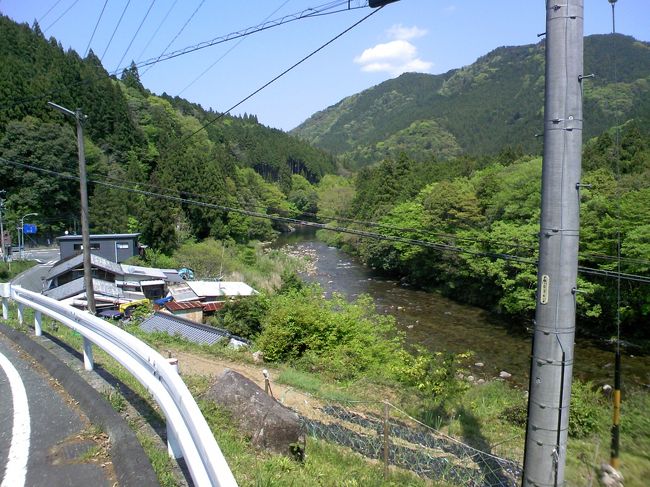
190, 310
72, 268
116, 247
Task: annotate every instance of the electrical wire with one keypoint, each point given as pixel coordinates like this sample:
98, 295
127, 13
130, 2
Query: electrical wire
223, 39
241, 39
60, 16
115, 30
174, 39
268, 83
136, 34
307, 13
321, 226
95, 29
157, 29
48, 11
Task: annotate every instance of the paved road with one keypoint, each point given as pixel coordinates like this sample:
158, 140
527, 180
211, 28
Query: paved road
45, 439
32, 279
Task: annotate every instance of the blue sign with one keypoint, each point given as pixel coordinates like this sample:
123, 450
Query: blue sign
29, 228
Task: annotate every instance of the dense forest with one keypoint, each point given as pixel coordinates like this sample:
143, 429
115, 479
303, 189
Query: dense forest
481, 108
478, 219
470, 196
138, 140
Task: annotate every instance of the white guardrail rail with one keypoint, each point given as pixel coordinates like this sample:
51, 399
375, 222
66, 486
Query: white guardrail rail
188, 433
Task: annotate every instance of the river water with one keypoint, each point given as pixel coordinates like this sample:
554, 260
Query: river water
441, 324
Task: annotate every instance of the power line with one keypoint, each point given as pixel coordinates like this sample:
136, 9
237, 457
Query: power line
307, 13
136, 34
95, 29
223, 39
268, 83
115, 30
61, 16
337, 229
227, 52
175, 37
48, 11
157, 29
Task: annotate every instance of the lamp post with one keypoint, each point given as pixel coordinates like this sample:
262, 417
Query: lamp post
83, 190
21, 243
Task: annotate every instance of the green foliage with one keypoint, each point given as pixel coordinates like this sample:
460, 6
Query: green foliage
587, 410
337, 338
243, 317
9, 270
433, 374
495, 102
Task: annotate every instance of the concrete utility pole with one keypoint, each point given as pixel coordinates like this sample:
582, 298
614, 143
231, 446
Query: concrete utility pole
83, 189
552, 360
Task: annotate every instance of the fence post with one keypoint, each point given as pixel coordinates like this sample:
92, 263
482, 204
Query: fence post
20, 313
38, 321
386, 438
88, 355
5, 308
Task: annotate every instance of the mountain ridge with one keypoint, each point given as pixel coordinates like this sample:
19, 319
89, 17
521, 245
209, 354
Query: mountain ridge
495, 102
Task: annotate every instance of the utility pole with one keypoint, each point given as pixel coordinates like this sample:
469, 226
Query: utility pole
552, 359
2, 228
83, 189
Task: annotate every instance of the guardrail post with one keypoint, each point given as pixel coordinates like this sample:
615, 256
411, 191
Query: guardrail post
38, 319
5, 292
173, 448
20, 313
88, 354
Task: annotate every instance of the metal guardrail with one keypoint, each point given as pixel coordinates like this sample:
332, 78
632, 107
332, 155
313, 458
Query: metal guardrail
189, 435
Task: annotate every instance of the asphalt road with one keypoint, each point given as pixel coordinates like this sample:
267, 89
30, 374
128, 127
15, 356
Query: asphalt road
32, 279
45, 439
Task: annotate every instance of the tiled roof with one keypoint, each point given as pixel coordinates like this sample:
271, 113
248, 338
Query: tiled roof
175, 325
136, 271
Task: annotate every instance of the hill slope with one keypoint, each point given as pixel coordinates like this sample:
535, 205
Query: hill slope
495, 102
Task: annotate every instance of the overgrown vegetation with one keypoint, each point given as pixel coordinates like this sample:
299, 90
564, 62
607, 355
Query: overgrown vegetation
9, 270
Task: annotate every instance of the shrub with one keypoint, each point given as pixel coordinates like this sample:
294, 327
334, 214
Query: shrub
586, 414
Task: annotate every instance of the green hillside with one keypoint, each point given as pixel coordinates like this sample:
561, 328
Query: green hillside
137, 139
496, 102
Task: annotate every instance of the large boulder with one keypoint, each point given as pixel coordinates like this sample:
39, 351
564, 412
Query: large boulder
270, 425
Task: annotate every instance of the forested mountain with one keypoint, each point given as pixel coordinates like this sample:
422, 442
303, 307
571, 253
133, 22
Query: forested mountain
496, 102
136, 139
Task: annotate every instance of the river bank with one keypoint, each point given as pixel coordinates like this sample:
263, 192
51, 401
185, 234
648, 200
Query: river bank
440, 324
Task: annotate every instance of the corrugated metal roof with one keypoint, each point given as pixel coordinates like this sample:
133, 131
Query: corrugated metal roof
182, 292
220, 288
174, 306
174, 325
78, 286
76, 261
213, 306
137, 272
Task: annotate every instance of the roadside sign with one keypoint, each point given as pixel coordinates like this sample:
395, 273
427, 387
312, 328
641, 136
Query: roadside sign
29, 228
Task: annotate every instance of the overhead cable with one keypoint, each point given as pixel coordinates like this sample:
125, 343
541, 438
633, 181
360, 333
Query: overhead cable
136, 34
115, 30
95, 29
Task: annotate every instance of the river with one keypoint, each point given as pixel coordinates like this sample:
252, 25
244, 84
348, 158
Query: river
441, 324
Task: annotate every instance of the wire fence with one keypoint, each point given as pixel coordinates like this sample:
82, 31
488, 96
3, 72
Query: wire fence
409, 444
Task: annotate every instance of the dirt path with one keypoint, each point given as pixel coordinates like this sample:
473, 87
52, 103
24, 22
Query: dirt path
195, 364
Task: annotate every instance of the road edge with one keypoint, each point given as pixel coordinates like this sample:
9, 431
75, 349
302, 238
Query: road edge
132, 465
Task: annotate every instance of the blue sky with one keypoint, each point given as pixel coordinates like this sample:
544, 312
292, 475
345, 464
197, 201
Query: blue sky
431, 36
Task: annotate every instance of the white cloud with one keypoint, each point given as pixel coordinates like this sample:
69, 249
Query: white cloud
394, 57
400, 32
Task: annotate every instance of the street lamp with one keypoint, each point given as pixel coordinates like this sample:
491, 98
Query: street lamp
21, 241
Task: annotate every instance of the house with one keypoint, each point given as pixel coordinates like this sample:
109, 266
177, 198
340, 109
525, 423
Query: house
190, 310
107, 294
72, 268
116, 247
